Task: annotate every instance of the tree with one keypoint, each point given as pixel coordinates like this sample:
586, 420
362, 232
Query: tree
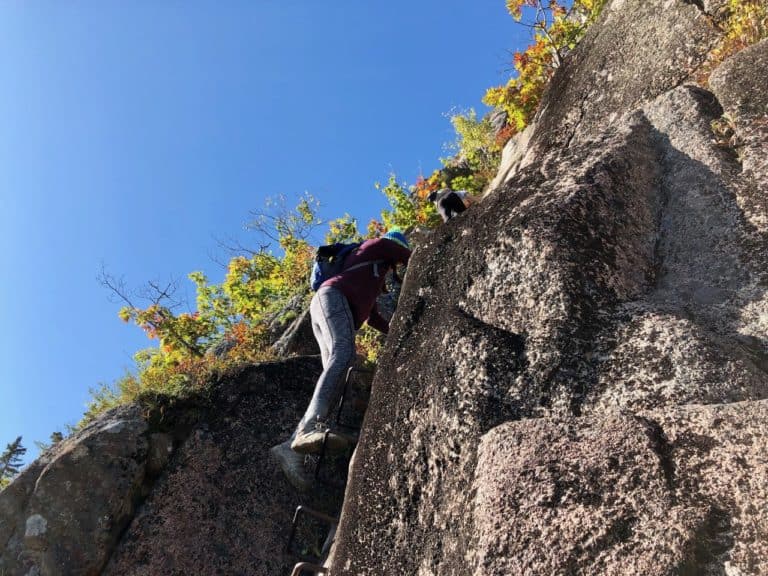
343, 229
10, 461
743, 23
555, 30
55, 438
184, 332
477, 150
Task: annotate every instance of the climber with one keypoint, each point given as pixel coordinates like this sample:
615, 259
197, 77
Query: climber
338, 309
449, 203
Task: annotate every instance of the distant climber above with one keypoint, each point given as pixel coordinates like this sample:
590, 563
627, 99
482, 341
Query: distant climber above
449, 203
338, 309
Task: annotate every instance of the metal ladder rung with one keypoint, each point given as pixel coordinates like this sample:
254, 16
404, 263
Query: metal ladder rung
330, 520
351, 441
347, 379
306, 566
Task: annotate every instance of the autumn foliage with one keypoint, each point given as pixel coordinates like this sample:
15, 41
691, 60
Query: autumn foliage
556, 30
742, 23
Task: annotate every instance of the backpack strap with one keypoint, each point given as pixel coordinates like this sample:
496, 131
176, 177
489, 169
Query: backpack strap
362, 264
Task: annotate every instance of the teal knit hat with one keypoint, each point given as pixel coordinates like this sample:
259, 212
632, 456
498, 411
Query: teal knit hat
396, 236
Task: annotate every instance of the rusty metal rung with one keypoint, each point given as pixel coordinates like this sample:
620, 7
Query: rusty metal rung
352, 442
333, 522
350, 370
306, 566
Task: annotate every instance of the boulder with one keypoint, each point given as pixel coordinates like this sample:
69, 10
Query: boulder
674, 491
221, 348
185, 486
636, 51
498, 118
222, 506
68, 509
298, 339
512, 156
281, 320
745, 102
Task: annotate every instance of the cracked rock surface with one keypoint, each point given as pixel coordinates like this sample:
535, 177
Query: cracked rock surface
673, 491
577, 374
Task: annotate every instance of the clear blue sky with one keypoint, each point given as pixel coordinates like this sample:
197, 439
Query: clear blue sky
135, 133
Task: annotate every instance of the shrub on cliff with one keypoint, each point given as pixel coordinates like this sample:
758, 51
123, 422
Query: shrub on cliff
743, 23
556, 30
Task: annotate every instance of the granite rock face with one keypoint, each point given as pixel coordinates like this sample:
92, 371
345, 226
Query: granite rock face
638, 50
575, 382
186, 488
745, 101
222, 506
674, 491
576, 377
65, 513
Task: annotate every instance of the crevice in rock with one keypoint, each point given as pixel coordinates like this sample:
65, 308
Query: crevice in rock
508, 360
662, 202
663, 449
582, 112
412, 320
699, 4
709, 549
752, 351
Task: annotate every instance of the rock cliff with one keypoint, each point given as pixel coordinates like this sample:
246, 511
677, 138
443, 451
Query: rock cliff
577, 374
184, 488
576, 380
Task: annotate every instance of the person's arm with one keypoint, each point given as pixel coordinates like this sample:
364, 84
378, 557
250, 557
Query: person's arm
401, 256
398, 254
376, 320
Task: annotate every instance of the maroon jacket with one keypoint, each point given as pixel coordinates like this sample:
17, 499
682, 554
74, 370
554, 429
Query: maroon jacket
361, 287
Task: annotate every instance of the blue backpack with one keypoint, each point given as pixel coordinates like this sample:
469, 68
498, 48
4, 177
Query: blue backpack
329, 262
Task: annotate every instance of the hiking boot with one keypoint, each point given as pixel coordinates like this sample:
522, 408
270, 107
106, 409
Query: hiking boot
292, 465
310, 441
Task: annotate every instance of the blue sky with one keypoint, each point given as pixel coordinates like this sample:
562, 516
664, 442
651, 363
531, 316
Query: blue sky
136, 133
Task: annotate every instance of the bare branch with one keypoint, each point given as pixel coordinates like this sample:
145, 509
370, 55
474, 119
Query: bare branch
277, 220
218, 260
159, 295
116, 287
236, 248
153, 292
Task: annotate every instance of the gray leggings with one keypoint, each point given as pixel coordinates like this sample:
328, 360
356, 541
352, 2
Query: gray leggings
334, 329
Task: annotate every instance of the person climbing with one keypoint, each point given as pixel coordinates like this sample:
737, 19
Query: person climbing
338, 309
449, 203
